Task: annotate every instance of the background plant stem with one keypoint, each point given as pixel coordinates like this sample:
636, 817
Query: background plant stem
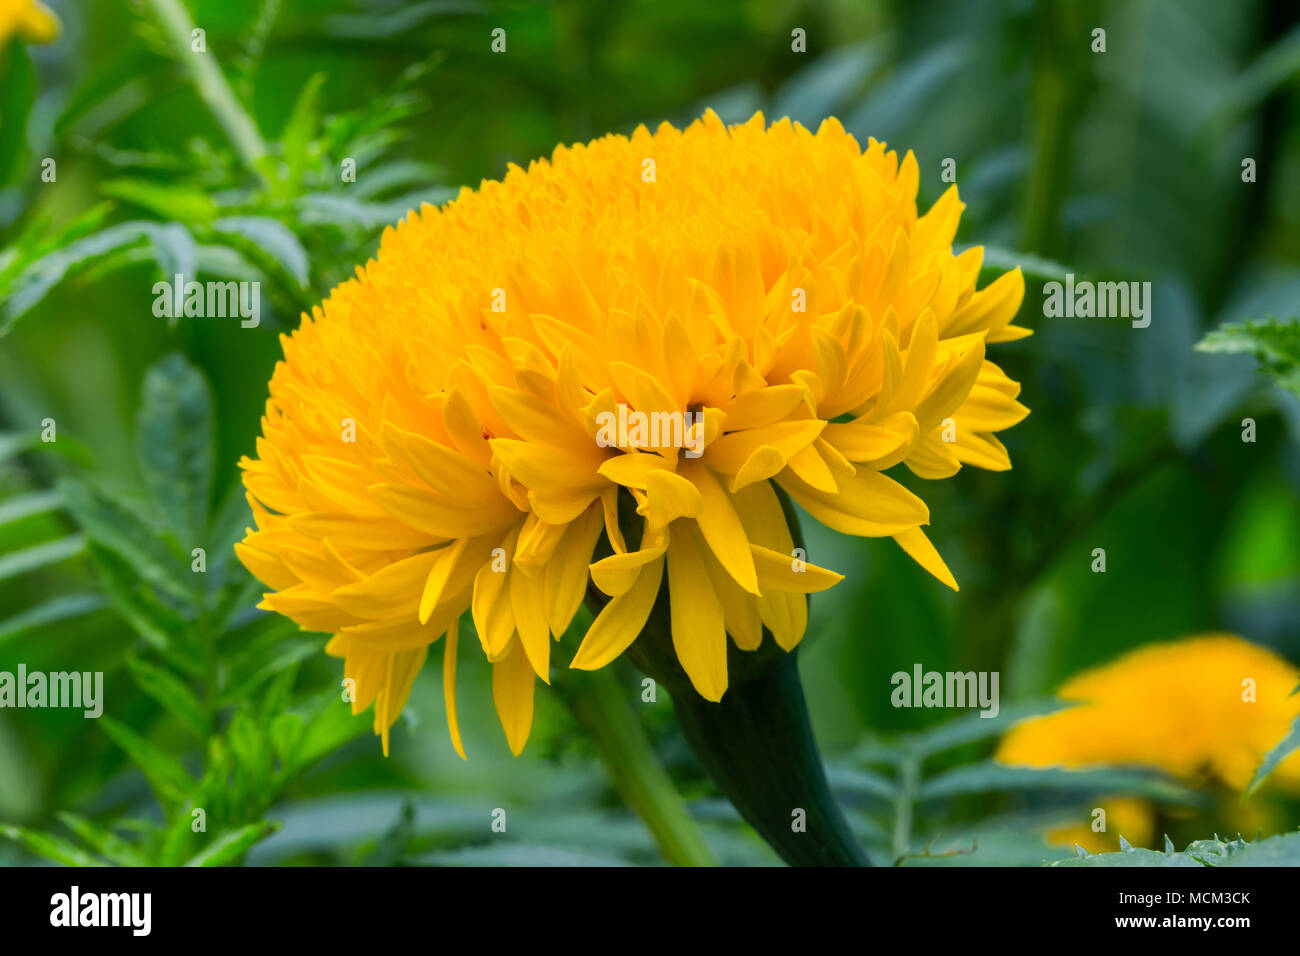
599, 703
211, 85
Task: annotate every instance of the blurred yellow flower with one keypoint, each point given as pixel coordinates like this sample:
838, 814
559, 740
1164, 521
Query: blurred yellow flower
1132, 818
1204, 709
29, 19
591, 377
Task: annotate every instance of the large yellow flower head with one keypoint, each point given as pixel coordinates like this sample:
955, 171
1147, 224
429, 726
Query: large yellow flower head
33, 21
590, 378
1205, 709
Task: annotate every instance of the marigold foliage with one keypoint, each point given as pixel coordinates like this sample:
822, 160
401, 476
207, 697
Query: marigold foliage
777, 283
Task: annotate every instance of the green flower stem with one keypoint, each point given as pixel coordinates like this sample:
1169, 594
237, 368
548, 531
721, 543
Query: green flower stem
599, 703
757, 742
757, 745
211, 85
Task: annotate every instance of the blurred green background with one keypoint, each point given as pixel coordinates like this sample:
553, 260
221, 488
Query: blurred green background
1123, 164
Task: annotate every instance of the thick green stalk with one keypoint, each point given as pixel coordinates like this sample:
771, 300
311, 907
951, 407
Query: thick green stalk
757, 742
600, 705
211, 85
757, 745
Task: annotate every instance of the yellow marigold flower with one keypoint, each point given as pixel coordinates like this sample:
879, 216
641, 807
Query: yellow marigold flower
768, 295
33, 21
1204, 709
1129, 817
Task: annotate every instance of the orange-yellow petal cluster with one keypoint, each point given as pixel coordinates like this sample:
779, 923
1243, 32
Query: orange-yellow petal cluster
764, 305
1204, 709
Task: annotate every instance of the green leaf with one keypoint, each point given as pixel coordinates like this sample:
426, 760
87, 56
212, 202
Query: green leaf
164, 200
241, 685
49, 846
403, 174
106, 843
1276, 66
334, 726
345, 212
275, 699
166, 688
232, 845
970, 728
40, 555
227, 527
516, 854
990, 777
249, 746
1288, 745
174, 446
298, 140
42, 275
179, 835
1018, 840
159, 626
56, 609
826, 84
166, 775
1133, 857
287, 734
271, 238
1273, 342
1281, 850
37, 241
110, 522
223, 262
176, 252
862, 782
26, 506
393, 844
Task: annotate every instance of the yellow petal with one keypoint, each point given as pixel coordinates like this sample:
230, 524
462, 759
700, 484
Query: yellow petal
512, 692
449, 686
782, 572
721, 526
401, 671
699, 632
393, 591
566, 573
528, 606
669, 496
617, 573
436, 581
933, 458
730, 452
869, 504
919, 548
620, 622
